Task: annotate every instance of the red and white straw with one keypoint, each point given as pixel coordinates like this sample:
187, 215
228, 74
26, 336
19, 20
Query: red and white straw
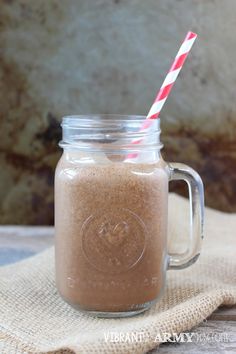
172, 76
167, 85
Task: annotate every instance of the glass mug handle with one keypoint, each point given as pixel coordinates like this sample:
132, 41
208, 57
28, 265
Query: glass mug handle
179, 171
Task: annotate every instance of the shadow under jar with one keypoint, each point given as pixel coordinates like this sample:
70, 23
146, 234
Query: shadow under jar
111, 208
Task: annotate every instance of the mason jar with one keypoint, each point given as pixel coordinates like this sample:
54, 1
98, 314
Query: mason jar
111, 215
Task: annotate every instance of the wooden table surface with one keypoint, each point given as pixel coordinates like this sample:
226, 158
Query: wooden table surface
215, 335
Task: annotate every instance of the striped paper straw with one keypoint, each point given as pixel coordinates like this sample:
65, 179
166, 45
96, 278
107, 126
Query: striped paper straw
172, 76
167, 85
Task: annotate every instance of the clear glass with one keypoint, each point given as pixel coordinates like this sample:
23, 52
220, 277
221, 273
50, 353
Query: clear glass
111, 215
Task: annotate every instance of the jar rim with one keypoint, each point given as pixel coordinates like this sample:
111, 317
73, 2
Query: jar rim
110, 132
87, 119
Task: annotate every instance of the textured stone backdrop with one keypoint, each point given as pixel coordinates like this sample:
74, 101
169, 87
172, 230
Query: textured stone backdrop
104, 56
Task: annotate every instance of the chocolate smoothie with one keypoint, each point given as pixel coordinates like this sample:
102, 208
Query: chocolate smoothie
110, 221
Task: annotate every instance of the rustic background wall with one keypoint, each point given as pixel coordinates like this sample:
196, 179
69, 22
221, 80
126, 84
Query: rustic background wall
104, 56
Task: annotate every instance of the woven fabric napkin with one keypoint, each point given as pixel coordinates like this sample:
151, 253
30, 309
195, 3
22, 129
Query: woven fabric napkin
34, 319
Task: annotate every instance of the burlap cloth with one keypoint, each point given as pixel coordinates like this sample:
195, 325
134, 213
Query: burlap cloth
34, 318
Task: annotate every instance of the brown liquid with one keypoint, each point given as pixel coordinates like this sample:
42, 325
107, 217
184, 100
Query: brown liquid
111, 222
